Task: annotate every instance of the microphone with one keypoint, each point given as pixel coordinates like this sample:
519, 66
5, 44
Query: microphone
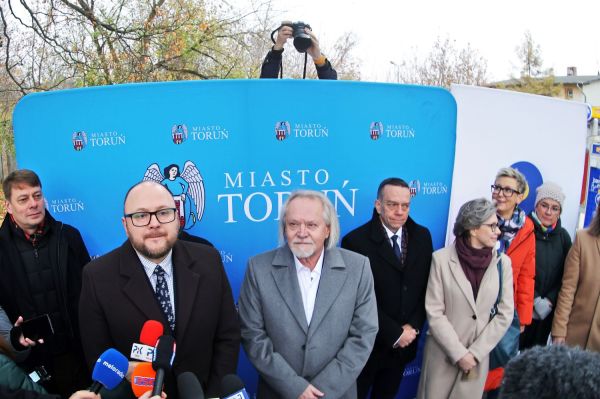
142, 379
109, 371
233, 388
144, 350
164, 354
189, 387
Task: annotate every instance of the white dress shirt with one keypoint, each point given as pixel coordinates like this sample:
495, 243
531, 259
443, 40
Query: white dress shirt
390, 233
167, 265
309, 284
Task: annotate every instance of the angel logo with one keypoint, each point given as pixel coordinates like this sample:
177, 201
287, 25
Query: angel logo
414, 187
186, 187
376, 130
179, 133
79, 140
282, 130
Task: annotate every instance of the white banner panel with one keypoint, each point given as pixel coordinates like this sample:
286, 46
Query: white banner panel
543, 137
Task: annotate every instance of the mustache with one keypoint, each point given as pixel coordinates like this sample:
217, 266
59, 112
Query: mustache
155, 235
303, 242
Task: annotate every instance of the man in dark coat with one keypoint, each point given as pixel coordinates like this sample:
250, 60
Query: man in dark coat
399, 251
40, 271
156, 276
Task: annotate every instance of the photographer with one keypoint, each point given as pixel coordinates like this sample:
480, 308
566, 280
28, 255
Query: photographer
271, 66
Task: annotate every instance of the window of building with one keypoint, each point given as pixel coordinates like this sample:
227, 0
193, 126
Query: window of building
568, 92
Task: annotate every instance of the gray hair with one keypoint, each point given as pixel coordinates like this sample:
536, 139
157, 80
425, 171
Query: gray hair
515, 174
329, 216
472, 215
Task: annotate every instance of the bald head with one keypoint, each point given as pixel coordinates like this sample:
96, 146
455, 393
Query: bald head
146, 188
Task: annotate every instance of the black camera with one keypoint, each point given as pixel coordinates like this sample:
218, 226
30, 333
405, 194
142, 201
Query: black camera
302, 40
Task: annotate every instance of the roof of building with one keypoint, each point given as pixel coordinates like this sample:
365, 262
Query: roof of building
565, 80
577, 79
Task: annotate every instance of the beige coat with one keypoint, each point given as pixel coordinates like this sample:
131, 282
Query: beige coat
458, 324
577, 314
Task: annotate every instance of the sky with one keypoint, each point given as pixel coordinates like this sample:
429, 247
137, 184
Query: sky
567, 32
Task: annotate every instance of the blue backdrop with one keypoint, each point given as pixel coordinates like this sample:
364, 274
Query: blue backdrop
239, 148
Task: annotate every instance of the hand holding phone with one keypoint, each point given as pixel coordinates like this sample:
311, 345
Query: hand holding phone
34, 330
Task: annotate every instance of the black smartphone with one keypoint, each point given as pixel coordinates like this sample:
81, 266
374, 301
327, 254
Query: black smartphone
37, 328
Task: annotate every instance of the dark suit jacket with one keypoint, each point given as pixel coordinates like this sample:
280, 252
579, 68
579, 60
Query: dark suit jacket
117, 299
400, 291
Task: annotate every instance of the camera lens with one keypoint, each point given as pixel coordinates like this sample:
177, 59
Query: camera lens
302, 40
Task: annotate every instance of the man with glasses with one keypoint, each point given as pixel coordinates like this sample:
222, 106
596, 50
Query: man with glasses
155, 276
399, 251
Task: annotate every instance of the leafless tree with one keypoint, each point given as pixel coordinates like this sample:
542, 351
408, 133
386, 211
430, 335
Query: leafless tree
445, 64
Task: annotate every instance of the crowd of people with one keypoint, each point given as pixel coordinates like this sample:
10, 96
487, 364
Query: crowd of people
315, 319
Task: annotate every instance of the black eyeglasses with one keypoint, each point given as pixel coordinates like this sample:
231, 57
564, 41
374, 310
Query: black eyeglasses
141, 219
507, 191
492, 226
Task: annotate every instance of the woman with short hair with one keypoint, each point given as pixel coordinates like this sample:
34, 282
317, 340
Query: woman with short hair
463, 288
517, 240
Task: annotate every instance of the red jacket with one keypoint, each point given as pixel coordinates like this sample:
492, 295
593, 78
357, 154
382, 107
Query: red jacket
522, 254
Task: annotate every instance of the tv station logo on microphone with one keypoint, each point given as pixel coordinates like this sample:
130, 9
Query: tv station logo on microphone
379, 130
180, 133
300, 130
80, 139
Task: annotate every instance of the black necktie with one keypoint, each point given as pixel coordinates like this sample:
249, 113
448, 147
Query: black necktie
396, 247
162, 294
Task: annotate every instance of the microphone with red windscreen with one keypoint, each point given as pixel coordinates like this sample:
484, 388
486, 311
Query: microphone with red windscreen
144, 350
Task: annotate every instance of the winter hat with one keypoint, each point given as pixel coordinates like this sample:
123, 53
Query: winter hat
550, 190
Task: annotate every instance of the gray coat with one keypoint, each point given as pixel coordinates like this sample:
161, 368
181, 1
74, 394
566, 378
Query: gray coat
288, 354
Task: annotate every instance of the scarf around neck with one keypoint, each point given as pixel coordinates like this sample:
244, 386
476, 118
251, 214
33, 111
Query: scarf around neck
545, 229
474, 262
510, 227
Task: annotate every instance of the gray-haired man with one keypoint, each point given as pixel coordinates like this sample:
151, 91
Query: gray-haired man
308, 311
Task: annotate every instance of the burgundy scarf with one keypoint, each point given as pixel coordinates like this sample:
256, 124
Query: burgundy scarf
474, 262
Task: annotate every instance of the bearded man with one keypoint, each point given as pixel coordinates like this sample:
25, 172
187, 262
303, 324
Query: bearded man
155, 276
307, 308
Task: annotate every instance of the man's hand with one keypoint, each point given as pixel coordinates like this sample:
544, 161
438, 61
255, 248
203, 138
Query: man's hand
84, 395
467, 362
147, 395
311, 393
284, 33
558, 340
26, 342
314, 50
408, 336
521, 329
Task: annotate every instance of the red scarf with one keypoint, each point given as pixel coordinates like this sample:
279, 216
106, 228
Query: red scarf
32, 238
473, 261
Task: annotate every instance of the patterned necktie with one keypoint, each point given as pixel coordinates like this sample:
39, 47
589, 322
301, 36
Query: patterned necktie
396, 247
162, 294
